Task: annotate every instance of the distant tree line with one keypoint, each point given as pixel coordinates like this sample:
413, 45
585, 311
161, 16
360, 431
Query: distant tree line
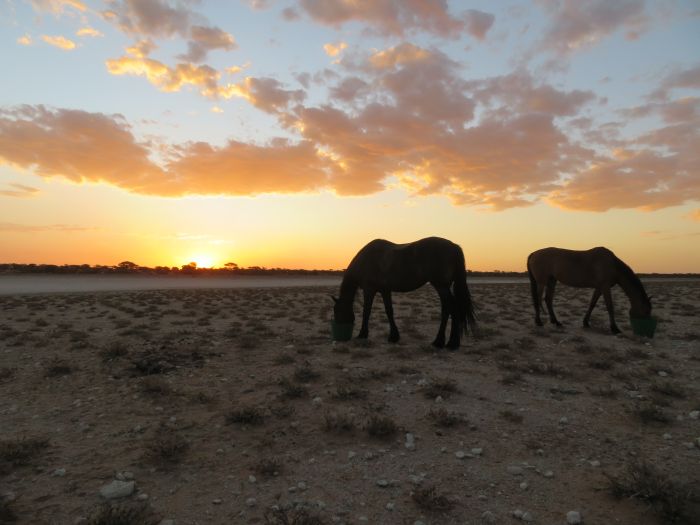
229, 269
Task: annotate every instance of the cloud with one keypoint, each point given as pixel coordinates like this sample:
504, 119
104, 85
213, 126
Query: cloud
681, 79
25, 40
88, 31
333, 50
57, 7
59, 42
168, 79
397, 17
577, 25
694, 215
13, 227
267, 94
205, 39
19, 190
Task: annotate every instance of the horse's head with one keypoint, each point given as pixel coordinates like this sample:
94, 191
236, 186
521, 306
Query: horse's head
641, 309
342, 311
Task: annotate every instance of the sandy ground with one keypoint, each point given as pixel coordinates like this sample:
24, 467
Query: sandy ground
233, 406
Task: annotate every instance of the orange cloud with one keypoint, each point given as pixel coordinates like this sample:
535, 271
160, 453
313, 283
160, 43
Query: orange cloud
166, 78
333, 50
205, 39
396, 18
19, 190
88, 31
267, 94
57, 6
25, 40
694, 215
59, 42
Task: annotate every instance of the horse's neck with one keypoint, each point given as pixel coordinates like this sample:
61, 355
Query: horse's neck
348, 288
632, 290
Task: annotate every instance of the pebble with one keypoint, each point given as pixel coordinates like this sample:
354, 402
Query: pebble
142, 497
317, 400
667, 436
516, 471
563, 420
460, 454
477, 451
662, 373
489, 517
59, 472
251, 502
695, 414
217, 501
524, 485
548, 474
390, 506
252, 479
382, 483
573, 517
301, 485
594, 463
117, 489
438, 399
410, 441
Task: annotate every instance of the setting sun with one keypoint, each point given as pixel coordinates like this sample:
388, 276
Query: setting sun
202, 260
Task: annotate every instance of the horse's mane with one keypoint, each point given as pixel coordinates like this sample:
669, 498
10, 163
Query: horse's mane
631, 277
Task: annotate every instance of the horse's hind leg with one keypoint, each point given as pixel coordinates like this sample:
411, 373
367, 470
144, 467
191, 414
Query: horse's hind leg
366, 311
445, 300
594, 300
389, 307
549, 298
611, 312
537, 300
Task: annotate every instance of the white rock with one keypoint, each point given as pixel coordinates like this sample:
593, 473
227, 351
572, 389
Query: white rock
573, 517
695, 414
563, 420
515, 470
301, 485
317, 400
351, 454
390, 506
524, 485
382, 483
489, 517
477, 451
517, 513
117, 489
252, 479
251, 502
548, 474
460, 454
142, 497
527, 517
438, 399
594, 463
59, 472
410, 441
217, 501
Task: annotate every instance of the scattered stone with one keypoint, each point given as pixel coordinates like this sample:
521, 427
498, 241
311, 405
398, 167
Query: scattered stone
410, 441
301, 485
524, 485
527, 517
251, 502
438, 399
317, 400
563, 420
390, 506
351, 454
117, 489
594, 463
217, 501
695, 414
548, 474
59, 472
515, 470
460, 454
517, 513
142, 497
662, 373
383, 483
252, 479
477, 451
489, 517
573, 517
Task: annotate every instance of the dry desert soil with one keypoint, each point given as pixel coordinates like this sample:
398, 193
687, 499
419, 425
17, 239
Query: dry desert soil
234, 406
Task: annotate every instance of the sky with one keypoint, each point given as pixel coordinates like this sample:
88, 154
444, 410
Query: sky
290, 133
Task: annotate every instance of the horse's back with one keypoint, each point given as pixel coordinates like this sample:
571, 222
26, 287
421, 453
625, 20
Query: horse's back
573, 267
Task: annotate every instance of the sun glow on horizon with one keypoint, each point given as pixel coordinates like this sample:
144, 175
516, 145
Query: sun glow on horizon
203, 260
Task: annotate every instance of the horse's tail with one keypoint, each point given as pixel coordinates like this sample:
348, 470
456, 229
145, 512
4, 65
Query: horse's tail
465, 307
533, 283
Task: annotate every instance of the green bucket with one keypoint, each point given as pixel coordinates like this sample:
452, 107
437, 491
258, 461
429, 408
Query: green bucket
644, 327
341, 331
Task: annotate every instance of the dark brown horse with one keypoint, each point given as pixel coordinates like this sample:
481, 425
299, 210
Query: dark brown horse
385, 267
597, 268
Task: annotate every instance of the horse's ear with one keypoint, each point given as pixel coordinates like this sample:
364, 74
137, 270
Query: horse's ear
334, 299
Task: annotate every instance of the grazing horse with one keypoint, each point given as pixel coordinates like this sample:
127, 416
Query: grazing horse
597, 268
384, 267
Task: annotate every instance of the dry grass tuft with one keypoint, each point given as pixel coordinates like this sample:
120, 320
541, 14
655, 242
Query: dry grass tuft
381, 426
430, 499
20, 452
339, 422
166, 447
292, 516
127, 513
246, 416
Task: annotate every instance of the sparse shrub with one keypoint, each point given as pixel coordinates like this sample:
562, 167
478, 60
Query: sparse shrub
651, 413
292, 516
155, 386
246, 416
113, 351
305, 374
601, 364
430, 499
381, 426
511, 378
7, 513
347, 392
444, 418
166, 447
667, 388
338, 422
19, 452
291, 390
284, 359
608, 391
268, 467
444, 387
57, 368
511, 416
670, 499
127, 513
6, 372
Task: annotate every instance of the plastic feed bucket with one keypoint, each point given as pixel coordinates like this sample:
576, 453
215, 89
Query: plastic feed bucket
341, 331
644, 327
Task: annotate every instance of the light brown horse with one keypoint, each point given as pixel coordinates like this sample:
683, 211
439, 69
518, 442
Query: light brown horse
597, 268
384, 267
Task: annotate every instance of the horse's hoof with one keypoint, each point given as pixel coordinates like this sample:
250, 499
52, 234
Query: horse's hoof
452, 346
394, 338
538, 322
615, 330
586, 325
559, 325
438, 344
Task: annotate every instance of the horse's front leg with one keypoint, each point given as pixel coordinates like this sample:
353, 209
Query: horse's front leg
389, 307
366, 311
611, 312
549, 300
594, 300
